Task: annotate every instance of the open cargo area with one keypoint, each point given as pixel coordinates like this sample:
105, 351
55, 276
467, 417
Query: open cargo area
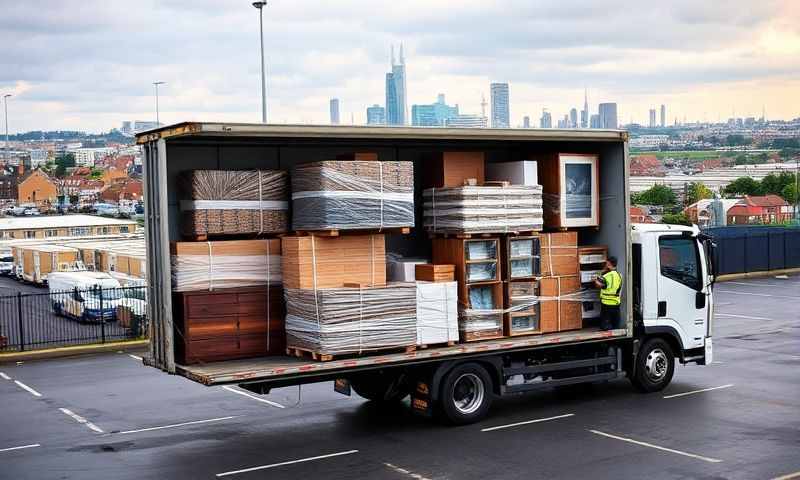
403, 197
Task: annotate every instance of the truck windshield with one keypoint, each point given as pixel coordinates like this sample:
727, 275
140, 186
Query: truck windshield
108, 294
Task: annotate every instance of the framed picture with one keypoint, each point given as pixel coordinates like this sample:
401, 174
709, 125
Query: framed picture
579, 196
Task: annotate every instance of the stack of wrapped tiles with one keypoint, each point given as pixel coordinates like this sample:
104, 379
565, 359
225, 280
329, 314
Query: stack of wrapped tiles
233, 202
483, 209
352, 195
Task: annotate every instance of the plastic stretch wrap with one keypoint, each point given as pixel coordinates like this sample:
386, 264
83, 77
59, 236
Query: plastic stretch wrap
230, 202
347, 195
210, 272
335, 321
483, 209
437, 312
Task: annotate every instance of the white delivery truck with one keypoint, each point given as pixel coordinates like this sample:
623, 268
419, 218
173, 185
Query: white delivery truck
85, 296
6, 262
667, 272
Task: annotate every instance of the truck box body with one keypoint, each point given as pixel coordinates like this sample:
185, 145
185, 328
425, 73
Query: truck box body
188, 146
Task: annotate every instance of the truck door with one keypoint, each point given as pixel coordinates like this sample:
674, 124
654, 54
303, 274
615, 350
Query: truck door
682, 291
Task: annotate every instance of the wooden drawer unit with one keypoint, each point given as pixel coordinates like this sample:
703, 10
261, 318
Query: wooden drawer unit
226, 324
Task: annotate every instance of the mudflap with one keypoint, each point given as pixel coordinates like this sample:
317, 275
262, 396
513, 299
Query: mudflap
421, 398
342, 385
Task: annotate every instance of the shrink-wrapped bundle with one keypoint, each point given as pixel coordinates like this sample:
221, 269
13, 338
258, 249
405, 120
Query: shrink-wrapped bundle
483, 209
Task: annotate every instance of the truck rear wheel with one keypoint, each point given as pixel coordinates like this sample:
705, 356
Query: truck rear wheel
655, 365
466, 394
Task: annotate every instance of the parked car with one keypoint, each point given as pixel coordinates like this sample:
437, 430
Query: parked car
31, 212
85, 296
6, 265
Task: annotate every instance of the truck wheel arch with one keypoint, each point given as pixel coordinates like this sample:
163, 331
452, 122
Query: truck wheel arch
669, 334
492, 366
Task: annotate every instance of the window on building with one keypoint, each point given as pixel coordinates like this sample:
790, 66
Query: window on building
79, 231
680, 260
104, 230
51, 233
123, 229
30, 233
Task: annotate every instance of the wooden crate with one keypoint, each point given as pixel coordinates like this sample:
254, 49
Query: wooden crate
451, 169
334, 260
558, 311
228, 324
428, 272
513, 256
558, 171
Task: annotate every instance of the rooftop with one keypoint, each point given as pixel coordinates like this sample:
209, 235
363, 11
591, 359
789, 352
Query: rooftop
59, 221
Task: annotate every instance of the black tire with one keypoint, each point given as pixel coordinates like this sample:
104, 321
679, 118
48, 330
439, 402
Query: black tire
380, 387
466, 394
655, 366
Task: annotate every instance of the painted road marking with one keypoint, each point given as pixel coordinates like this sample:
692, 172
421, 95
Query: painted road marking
657, 447
788, 476
409, 473
741, 316
4, 376
80, 419
528, 422
699, 391
28, 389
290, 462
196, 422
33, 445
135, 357
754, 294
753, 284
262, 400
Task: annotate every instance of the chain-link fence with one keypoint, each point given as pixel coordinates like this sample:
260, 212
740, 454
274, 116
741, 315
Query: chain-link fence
31, 321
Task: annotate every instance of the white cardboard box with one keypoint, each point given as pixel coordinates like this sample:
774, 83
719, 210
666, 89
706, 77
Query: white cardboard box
522, 172
437, 312
403, 269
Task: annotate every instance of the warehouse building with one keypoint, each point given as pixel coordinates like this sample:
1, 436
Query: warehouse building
63, 226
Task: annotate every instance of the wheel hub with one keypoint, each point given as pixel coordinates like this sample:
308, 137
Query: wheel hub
656, 365
468, 393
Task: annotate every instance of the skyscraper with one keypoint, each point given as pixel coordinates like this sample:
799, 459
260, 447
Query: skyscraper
526, 122
663, 115
573, 118
501, 117
652, 118
594, 121
546, 121
433, 115
334, 111
396, 107
585, 111
376, 115
608, 115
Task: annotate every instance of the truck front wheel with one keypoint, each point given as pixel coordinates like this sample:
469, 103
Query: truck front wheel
655, 365
466, 394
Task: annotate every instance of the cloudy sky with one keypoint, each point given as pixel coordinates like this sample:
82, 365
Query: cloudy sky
89, 64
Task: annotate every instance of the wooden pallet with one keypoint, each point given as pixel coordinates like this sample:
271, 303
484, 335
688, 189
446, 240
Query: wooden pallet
464, 235
336, 232
436, 345
235, 236
325, 357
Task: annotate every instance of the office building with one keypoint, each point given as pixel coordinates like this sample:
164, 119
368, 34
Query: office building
608, 115
501, 117
433, 115
396, 107
652, 123
142, 125
573, 118
594, 121
585, 111
526, 122
663, 115
38, 158
334, 111
376, 115
467, 121
546, 121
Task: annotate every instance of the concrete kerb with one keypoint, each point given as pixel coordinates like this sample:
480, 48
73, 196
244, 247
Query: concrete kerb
125, 346
768, 273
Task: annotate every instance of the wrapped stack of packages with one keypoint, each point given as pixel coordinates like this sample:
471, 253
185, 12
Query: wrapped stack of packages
233, 202
352, 195
591, 259
560, 285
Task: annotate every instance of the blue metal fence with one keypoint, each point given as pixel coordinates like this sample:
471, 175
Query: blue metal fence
743, 249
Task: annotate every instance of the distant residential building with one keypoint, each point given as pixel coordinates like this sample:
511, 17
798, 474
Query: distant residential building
638, 215
652, 118
376, 115
38, 158
468, 121
526, 122
573, 118
501, 116
37, 188
759, 210
594, 122
608, 115
702, 211
433, 115
334, 107
396, 107
8, 186
127, 190
649, 142
663, 115
546, 121
63, 226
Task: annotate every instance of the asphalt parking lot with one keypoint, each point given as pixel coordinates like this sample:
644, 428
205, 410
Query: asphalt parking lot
107, 416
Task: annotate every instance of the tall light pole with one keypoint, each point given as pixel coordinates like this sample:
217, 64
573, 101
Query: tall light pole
5, 107
260, 6
156, 85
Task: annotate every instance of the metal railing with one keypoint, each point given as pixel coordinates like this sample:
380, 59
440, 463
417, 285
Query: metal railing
31, 321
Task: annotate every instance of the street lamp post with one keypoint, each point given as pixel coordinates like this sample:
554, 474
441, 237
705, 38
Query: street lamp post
5, 107
260, 6
156, 85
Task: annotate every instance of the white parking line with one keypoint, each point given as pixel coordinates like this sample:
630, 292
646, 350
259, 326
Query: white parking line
262, 400
754, 294
4, 376
33, 445
135, 357
408, 473
788, 476
80, 419
196, 422
28, 389
741, 316
698, 391
527, 422
290, 462
753, 284
664, 449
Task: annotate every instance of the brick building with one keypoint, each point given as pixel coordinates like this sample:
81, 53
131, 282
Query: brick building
759, 210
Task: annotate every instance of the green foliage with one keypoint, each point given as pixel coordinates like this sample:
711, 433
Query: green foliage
656, 195
787, 153
742, 186
789, 193
64, 161
676, 219
697, 191
95, 173
737, 140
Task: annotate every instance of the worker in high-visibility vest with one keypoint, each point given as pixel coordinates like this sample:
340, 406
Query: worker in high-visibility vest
610, 285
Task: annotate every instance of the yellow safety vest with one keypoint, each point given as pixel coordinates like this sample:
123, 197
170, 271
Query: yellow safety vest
610, 294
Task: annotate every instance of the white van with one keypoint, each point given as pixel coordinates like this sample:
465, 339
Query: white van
6, 262
78, 295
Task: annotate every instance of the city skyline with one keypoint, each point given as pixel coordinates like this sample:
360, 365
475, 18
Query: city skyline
746, 65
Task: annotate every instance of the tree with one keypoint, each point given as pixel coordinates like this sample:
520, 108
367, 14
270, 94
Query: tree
771, 184
696, 191
95, 173
657, 195
789, 193
63, 162
676, 219
742, 186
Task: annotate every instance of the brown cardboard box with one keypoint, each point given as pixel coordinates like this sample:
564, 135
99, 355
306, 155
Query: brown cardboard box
335, 260
559, 314
428, 272
450, 169
559, 253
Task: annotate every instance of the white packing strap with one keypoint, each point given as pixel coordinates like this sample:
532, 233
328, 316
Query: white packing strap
269, 317
261, 216
389, 196
360, 319
210, 267
433, 198
505, 208
187, 205
380, 173
314, 279
372, 258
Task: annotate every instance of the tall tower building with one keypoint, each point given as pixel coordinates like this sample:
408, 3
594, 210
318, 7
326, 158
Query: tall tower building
334, 111
376, 115
573, 118
607, 114
547, 120
526, 122
652, 118
501, 117
396, 107
663, 115
585, 111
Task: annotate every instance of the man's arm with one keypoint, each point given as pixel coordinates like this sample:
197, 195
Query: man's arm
600, 282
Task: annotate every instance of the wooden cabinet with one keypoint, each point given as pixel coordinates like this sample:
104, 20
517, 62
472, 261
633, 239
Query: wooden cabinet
571, 189
226, 324
451, 169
